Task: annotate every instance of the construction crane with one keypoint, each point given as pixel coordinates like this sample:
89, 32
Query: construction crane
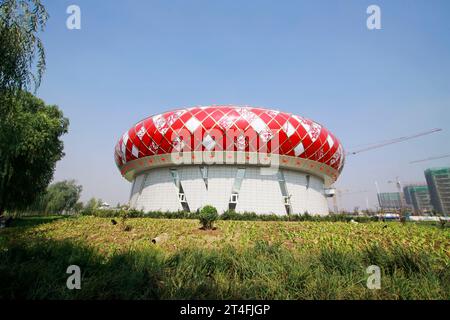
399, 189
376, 146
339, 193
392, 141
431, 158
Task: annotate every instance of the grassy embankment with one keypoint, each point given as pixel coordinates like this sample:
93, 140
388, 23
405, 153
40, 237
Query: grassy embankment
239, 260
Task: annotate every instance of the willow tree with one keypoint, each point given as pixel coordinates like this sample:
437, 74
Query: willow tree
30, 130
22, 54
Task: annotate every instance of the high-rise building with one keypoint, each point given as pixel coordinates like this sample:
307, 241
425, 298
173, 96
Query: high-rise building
419, 198
438, 180
407, 195
389, 200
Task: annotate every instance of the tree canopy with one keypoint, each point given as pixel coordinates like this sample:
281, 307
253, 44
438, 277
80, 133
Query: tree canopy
30, 130
22, 53
60, 197
92, 204
30, 146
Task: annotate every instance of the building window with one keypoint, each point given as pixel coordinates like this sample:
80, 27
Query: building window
181, 195
176, 177
240, 175
286, 197
204, 174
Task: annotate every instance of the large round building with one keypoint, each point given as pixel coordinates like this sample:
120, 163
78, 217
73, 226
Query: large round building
241, 158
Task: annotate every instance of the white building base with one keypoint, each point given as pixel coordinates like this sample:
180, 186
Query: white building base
192, 187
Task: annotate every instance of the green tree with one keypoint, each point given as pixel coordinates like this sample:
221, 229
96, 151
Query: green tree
208, 215
78, 207
29, 129
91, 205
30, 146
62, 197
22, 53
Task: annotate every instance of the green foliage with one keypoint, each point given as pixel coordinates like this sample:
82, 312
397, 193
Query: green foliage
30, 146
208, 215
21, 50
31, 221
260, 271
133, 213
227, 215
78, 207
111, 213
91, 206
245, 260
61, 197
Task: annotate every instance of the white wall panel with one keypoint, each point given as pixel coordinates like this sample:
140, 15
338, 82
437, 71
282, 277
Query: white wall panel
258, 193
220, 183
303, 199
193, 186
136, 188
296, 186
159, 192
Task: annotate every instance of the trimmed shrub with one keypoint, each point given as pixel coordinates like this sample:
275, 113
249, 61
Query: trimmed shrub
227, 215
230, 215
207, 216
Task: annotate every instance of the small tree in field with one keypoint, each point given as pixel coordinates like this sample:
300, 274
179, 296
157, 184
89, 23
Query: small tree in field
207, 216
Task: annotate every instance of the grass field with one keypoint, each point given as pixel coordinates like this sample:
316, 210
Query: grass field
238, 260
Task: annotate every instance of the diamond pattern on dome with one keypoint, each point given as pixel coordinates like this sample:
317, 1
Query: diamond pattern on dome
299, 149
289, 129
192, 124
330, 141
230, 128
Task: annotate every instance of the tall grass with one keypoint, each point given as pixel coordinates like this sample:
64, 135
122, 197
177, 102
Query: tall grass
36, 270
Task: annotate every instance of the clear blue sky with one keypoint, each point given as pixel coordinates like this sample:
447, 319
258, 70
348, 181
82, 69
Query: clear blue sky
314, 58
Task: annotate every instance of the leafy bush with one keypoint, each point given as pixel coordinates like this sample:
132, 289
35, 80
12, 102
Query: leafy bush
227, 215
207, 216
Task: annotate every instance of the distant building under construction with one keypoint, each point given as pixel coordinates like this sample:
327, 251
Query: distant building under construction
418, 198
389, 200
438, 180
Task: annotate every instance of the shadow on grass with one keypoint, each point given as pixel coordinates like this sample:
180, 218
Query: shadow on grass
37, 270
31, 221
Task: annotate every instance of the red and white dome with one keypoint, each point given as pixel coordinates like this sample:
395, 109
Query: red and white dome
302, 144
